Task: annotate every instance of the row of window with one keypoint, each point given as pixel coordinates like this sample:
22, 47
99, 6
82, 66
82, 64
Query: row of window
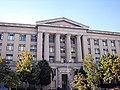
62, 39
21, 47
96, 42
9, 57
22, 37
62, 49
63, 60
97, 51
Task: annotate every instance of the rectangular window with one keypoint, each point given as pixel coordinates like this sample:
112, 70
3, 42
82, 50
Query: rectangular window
51, 38
51, 58
89, 50
88, 40
62, 39
34, 57
51, 49
11, 37
33, 38
73, 50
10, 47
22, 37
21, 47
114, 51
96, 41
104, 42
33, 48
113, 43
9, 57
97, 59
0, 46
97, 51
105, 51
73, 40
62, 49
63, 59
1, 36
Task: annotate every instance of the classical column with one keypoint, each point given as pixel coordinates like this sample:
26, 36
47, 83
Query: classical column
57, 47
85, 46
101, 47
4, 45
79, 50
117, 45
39, 46
28, 40
16, 45
109, 46
46, 47
92, 47
68, 48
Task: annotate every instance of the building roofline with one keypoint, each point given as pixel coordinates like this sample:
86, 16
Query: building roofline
103, 32
17, 25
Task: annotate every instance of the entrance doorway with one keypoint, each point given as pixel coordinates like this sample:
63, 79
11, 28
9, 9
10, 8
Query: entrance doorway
64, 82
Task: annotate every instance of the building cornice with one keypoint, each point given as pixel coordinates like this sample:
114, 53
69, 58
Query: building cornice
103, 32
17, 25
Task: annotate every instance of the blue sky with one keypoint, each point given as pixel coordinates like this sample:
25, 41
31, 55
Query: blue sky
98, 14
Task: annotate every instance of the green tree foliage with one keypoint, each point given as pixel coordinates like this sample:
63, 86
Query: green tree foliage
91, 71
109, 68
4, 69
43, 73
80, 82
24, 66
11, 80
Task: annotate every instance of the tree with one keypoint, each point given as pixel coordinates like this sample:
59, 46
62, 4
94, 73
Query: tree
24, 66
4, 69
80, 82
91, 71
11, 80
43, 73
109, 68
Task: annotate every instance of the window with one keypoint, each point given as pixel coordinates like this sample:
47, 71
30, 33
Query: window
62, 39
73, 59
1, 36
113, 43
63, 59
73, 50
88, 40
104, 42
51, 49
114, 51
97, 51
51, 58
73, 40
22, 37
9, 57
62, 49
0, 46
97, 59
96, 41
10, 47
105, 51
33, 38
51, 38
89, 50
33, 48
11, 37
21, 47
34, 57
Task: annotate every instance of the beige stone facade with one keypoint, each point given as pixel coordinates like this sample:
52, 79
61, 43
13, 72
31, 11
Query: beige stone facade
61, 41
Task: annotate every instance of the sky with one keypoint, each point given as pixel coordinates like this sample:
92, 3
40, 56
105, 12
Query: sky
97, 14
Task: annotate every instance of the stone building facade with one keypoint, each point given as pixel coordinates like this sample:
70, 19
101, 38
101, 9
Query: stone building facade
60, 41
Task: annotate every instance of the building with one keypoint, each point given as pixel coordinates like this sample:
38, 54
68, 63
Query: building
61, 41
